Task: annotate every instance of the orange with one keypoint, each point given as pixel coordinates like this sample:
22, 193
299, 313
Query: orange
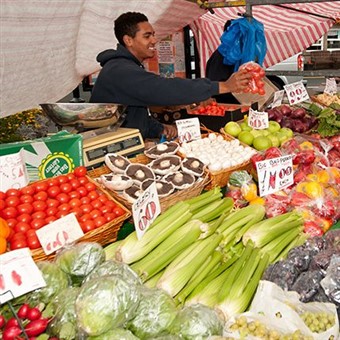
4, 228
3, 245
323, 176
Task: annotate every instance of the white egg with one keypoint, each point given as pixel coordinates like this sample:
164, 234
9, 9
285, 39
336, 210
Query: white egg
220, 138
226, 164
215, 166
212, 136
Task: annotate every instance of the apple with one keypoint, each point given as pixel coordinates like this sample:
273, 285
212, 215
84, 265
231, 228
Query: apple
232, 128
287, 131
273, 126
275, 140
245, 127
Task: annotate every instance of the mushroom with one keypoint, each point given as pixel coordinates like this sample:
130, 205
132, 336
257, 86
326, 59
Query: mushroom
193, 166
139, 173
116, 182
132, 193
162, 149
116, 163
165, 165
180, 180
163, 188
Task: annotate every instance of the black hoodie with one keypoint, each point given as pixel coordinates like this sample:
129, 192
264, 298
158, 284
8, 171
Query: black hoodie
124, 80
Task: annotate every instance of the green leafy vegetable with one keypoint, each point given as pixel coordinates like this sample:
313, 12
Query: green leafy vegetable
115, 334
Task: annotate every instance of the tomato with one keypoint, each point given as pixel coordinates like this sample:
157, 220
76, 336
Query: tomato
87, 226
70, 176
66, 187
261, 92
38, 223
61, 214
82, 191
24, 218
51, 211
26, 198
74, 183
63, 198
74, 194
11, 222
77, 212
22, 227
39, 205
52, 203
18, 236
75, 202
80, 171
41, 186
110, 204
85, 217
12, 201
95, 213
17, 244
118, 211
90, 186
51, 182
31, 232
25, 208
50, 219
9, 212
2, 204
39, 215
103, 198
64, 207
41, 196
86, 208
96, 204
83, 180
85, 200
109, 216
62, 179
33, 242
2, 195
29, 190
93, 194
99, 221
53, 191
13, 192
105, 209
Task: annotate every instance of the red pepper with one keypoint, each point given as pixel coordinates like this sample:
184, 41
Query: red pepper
272, 152
304, 157
311, 228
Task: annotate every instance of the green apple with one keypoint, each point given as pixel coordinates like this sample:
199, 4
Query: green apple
245, 126
232, 128
281, 136
256, 133
246, 137
288, 132
262, 143
275, 140
273, 126
265, 132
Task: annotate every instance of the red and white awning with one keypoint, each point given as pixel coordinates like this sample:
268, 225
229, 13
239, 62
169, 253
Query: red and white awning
287, 31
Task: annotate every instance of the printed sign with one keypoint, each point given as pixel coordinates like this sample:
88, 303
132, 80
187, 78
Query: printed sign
258, 120
145, 210
330, 86
19, 274
296, 92
188, 129
59, 233
275, 174
278, 97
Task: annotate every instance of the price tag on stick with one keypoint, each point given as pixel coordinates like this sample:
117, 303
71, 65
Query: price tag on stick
188, 129
275, 174
330, 86
296, 92
145, 210
278, 97
258, 120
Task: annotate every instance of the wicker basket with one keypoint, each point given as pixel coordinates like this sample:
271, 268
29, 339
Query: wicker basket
103, 235
165, 202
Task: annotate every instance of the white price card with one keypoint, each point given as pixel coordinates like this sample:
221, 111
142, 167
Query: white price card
278, 97
59, 233
275, 174
188, 129
296, 93
258, 120
145, 210
330, 86
19, 274
13, 172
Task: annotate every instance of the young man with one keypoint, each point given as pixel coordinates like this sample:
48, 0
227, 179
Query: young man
124, 80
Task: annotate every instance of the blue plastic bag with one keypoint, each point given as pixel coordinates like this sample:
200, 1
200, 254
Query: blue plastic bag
243, 41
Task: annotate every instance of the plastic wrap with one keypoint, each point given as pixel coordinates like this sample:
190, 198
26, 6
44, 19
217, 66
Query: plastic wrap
158, 304
78, 260
307, 284
331, 282
196, 322
300, 257
115, 334
105, 303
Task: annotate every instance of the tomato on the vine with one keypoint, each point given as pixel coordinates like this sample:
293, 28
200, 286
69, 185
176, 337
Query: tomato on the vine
80, 171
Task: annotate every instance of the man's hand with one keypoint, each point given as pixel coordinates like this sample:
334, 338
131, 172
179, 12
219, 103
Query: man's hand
237, 82
170, 131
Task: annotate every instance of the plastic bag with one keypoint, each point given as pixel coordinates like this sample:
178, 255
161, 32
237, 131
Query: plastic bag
331, 282
243, 41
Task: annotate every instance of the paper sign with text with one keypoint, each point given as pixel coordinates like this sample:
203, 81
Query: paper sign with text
330, 86
145, 210
13, 172
59, 233
278, 97
188, 129
19, 274
258, 120
275, 174
296, 93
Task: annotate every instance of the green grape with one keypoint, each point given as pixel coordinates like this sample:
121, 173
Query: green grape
234, 327
241, 321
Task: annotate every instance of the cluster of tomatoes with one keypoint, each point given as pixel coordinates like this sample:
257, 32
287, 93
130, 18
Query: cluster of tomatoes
256, 84
212, 109
28, 209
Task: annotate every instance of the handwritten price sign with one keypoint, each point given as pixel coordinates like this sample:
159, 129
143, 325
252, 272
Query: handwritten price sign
258, 120
331, 87
278, 97
145, 210
188, 129
19, 274
275, 174
296, 92
59, 233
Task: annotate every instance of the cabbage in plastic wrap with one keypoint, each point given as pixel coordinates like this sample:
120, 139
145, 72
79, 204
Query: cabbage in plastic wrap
155, 313
78, 260
115, 334
196, 322
106, 303
111, 267
64, 322
56, 280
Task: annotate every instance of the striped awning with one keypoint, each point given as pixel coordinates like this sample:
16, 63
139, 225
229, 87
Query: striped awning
287, 30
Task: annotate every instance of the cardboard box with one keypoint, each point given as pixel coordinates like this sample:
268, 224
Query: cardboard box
50, 156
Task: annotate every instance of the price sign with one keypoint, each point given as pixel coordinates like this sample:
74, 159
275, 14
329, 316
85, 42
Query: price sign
278, 97
296, 92
19, 274
145, 210
188, 129
275, 174
258, 120
330, 86
59, 233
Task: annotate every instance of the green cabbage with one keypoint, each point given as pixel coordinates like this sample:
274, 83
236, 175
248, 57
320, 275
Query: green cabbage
111, 267
106, 303
155, 313
78, 260
115, 334
56, 280
196, 322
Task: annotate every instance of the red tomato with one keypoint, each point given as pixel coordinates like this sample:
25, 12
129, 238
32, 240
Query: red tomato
17, 236
17, 244
85, 217
2, 195
109, 216
24, 218
261, 92
75, 202
64, 207
9, 212
70, 176
95, 213
86, 208
22, 227
105, 209
50, 219
63, 198
77, 212
82, 191
2, 204
89, 186
41, 196
80, 171
39, 215
33, 242
53, 191
41, 186
99, 221
96, 204
103, 198
85, 200
74, 194
82, 180
13, 192
52, 203
110, 204
29, 190
51, 211
66, 187
87, 226
51, 182
11, 222
31, 232
61, 214
12, 201
26, 198
38, 223
118, 211
74, 183
93, 194
25, 208
62, 179
39, 205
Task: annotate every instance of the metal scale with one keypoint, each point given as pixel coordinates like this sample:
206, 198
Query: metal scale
100, 127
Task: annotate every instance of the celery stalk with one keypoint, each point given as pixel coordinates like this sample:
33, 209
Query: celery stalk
213, 225
110, 250
198, 202
152, 281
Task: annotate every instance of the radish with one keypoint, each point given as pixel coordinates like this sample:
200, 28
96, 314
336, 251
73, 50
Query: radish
2, 321
33, 314
36, 327
11, 333
22, 312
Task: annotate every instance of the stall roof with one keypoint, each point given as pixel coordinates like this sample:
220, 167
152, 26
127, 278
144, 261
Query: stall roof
48, 46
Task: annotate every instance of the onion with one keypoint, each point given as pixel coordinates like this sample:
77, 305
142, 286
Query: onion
285, 110
298, 113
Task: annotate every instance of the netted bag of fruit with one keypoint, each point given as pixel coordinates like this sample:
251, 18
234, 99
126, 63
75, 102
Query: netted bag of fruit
256, 84
315, 320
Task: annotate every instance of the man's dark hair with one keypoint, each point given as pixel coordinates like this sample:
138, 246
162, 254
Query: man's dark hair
127, 24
